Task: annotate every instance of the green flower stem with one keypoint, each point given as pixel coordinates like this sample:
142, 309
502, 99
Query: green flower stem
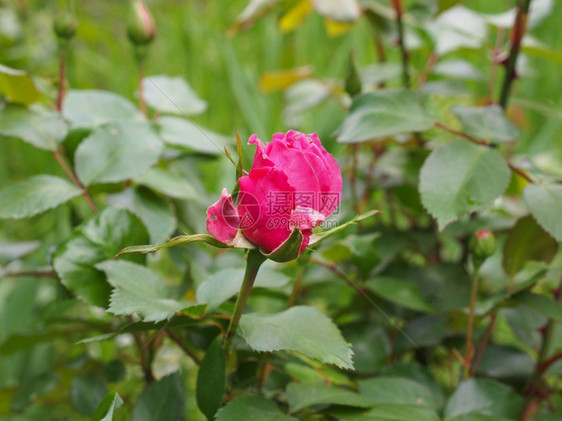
62, 75
468, 353
255, 260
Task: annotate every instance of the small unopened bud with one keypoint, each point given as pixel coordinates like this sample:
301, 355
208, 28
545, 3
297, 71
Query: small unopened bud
482, 245
141, 28
65, 25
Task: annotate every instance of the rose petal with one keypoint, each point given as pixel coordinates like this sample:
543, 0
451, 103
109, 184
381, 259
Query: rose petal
264, 205
305, 219
223, 219
261, 159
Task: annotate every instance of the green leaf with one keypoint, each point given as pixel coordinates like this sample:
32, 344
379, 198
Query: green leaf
252, 408
397, 391
446, 4
155, 213
90, 108
169, 183
541, 303
389, 412
302, 329
163, 400
460, 177
527, 241
40, 128
172, 95
138, 290
488, 123
35, 195
110, 403
479, 417
223, 285
383, 113
179, 132
545, 202
211, 379
17, 86
86, 392
116, 152
97, 240
486, 397
400, 292
301, 396
180, 239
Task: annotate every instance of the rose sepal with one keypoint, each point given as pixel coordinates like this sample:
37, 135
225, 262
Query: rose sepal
288, 250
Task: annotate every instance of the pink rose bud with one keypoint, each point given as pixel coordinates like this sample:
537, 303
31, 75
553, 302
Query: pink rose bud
482, 245
294, 183
141, 28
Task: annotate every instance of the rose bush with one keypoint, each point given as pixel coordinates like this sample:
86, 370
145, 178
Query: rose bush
294, 183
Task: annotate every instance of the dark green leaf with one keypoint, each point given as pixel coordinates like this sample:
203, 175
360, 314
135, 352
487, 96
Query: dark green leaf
86, 393
397, 391
138, 290
35, 195
252, 408
172, 95
488, 123
541, 303
116, 152
40, 128
447, 4
302, 329
163, 400
17, 86
97, 240
545, 202
30, 389
301, 396
400, 292
461, 177
90, 108
384, 113
211, 379
486, 397
389, 412
105, 410
527, 241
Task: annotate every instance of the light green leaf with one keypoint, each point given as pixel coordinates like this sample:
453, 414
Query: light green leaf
116, 152
90, 108
487, 123
446, 4
252, 408
527, 241
457, 69
40, 128
138, 290
179, 132
302, 329
301, 396
545, 202
163, 400
400, 292
386, 112
338, 10
110, 403
97, 240
397, 391
388, 412
223, 285
169, 183
17, 86
35, 195
541, 303
211, 379
172, 95
155, 213
461, 177
486, 397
